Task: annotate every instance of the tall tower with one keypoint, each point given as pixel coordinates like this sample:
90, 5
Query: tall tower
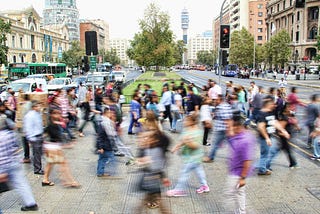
185, 26
62, 12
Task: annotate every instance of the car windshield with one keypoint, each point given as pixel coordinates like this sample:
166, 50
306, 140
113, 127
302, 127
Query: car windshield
56, 82
118, 73
21, 85
96, 79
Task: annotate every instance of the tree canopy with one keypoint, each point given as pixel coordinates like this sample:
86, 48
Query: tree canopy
154, 45
73, 56
206, 57
110, 56
241, 48
4, 30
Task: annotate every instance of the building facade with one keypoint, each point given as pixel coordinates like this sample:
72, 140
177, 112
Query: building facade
94, 25
29, 41
257, 22
62, 12
301, 20
196, 44
121, 46
239, 14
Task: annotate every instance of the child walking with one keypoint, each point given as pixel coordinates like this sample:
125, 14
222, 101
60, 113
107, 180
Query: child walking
192, 153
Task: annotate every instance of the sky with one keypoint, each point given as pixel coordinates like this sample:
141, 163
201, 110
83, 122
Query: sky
123, 15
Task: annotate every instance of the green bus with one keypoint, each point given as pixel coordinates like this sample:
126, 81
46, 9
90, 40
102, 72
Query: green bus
22, 70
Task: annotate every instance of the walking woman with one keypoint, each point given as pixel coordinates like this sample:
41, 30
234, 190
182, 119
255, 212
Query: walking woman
192, 153
54, 153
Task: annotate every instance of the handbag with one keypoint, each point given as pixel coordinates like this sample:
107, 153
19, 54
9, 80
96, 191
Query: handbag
150, 182
4, 184
54, 153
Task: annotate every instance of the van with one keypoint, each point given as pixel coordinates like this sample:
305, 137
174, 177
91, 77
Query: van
28, 85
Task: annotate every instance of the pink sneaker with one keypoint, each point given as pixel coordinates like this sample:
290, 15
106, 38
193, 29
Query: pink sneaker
176, 193
203, 189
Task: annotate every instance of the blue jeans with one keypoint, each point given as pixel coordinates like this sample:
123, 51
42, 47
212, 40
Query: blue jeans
264, 153
184, 176
316, 147
19, 182
219, 136
132, 122
103, 158
176, 116
273, 151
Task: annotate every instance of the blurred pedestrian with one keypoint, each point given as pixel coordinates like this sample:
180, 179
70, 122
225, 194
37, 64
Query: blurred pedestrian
192, 153
26, 107
222, 118
176, 109
166, 100
242, 143
106, 144
206, 119
10, 167
54, 153
312, 113
152, 159
33, 129
135, 113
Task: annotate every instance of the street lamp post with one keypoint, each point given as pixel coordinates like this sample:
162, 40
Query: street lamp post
254, 42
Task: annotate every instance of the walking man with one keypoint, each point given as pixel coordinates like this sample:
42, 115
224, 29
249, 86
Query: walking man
33, 129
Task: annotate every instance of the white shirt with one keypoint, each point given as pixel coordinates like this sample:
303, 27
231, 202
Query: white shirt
214, 92
282, 84
177, 102
205, 113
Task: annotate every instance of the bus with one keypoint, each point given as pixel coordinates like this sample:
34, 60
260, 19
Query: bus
22, 70
230, 70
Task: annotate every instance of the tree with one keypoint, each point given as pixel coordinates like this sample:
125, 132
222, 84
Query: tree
4, 30
112, 57
205, 57
241, 48
153, 46
280, 48
318, 47
73, 56
179, 49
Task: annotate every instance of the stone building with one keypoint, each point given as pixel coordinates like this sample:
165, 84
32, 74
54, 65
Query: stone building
29, 41
301, 19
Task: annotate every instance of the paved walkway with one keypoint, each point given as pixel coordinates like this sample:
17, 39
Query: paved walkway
285, 191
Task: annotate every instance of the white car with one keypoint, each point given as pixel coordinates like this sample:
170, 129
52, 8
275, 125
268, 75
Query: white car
26, 86
119, 76
59, 83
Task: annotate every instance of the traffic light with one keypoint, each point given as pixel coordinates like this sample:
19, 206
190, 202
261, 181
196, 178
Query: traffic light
224, 36
224, 57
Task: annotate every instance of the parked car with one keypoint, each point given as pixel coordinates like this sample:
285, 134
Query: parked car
59, 83
47, 77
98, 81
28, 85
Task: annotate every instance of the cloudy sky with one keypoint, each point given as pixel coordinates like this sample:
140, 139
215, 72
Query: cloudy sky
123, 15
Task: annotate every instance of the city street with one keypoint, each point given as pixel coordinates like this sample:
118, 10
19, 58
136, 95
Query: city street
285, 191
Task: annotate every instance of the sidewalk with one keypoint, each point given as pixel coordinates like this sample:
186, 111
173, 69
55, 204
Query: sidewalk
304, 83
285, 191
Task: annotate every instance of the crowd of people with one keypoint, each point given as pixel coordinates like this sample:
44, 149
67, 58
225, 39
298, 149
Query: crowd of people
201, 118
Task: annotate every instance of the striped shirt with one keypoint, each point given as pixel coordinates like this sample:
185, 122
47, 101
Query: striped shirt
8, 149
222, 113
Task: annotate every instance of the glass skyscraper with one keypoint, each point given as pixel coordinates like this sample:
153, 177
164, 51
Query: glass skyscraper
62, 12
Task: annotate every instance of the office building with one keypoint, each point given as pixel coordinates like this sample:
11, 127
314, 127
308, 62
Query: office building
196, 44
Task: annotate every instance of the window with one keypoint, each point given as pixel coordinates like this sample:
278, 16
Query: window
278, 7
298, 16
259, 22
284, 4
259, 38
21, 42
260, 6
13, 41
313, 33
260, 14
292, 19
297, 36
290, 2
260, 30
313, 13
32, 42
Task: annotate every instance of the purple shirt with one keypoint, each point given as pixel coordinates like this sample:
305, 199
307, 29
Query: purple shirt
242, 149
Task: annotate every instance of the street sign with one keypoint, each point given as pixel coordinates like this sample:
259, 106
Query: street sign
93, 62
